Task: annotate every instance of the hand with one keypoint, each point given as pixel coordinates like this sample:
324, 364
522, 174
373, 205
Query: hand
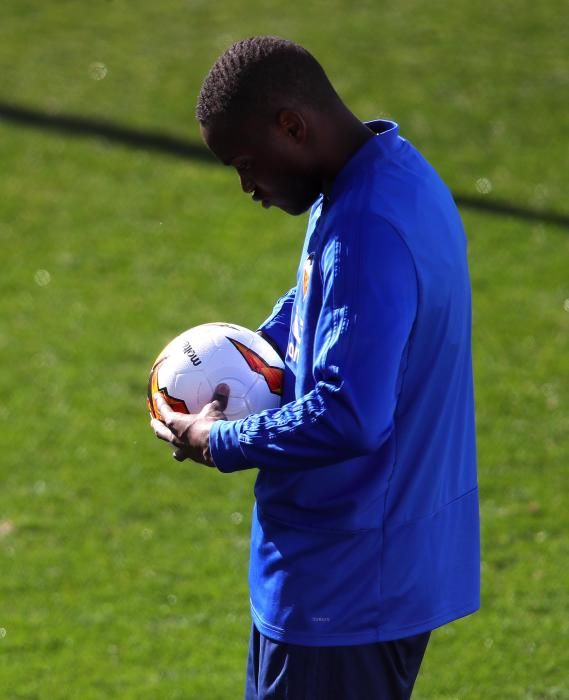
189, 433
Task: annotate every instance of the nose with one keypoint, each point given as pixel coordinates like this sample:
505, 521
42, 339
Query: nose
247, 185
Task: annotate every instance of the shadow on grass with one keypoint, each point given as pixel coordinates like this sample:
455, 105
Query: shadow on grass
74, 125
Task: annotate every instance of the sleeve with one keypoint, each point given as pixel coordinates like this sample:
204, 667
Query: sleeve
368, 309
277, 326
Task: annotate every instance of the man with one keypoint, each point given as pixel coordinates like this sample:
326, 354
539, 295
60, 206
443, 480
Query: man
365, 532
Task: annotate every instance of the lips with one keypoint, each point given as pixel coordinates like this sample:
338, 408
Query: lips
261, 197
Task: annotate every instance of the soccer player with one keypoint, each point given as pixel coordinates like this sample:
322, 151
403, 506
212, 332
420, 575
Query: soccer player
365, 532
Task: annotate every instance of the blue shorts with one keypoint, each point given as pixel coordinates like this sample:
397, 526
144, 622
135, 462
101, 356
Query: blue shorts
381, 671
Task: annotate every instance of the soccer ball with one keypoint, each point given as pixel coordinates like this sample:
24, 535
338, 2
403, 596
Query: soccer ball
189, 368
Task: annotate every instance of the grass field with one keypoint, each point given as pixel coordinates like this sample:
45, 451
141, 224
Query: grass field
123, 573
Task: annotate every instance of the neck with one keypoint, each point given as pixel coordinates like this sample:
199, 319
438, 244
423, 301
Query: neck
342, 136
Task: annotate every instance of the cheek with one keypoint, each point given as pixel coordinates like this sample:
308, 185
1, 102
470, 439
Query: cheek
306, 188
285, 182
293, 182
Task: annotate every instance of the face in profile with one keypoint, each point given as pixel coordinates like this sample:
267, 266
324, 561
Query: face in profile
273, 161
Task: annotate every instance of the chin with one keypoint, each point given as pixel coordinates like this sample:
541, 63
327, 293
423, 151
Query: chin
298, 208
293, 211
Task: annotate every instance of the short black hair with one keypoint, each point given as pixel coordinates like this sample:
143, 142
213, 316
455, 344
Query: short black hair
253, 73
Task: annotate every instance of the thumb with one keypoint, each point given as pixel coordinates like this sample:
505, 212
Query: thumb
221, 395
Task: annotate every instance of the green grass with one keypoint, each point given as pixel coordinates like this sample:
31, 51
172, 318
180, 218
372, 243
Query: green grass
124, 572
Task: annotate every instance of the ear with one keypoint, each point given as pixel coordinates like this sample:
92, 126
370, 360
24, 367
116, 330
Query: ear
293, 125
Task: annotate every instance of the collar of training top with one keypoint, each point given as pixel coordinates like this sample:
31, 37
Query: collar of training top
385, 141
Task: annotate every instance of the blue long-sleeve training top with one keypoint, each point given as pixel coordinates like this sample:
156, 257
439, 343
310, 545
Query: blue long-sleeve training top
365, 526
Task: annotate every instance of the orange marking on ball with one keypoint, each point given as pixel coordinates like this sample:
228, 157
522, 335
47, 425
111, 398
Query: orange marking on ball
153, 388
272, 375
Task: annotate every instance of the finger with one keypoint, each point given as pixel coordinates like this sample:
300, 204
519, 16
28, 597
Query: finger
180, 454
161, 431
162, 404
167, 413
221, 395
164, 434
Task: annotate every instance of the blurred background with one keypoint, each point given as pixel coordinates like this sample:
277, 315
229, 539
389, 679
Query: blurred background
122, 572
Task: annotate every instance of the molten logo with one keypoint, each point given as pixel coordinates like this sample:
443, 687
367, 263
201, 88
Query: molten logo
272, 375
192, 354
